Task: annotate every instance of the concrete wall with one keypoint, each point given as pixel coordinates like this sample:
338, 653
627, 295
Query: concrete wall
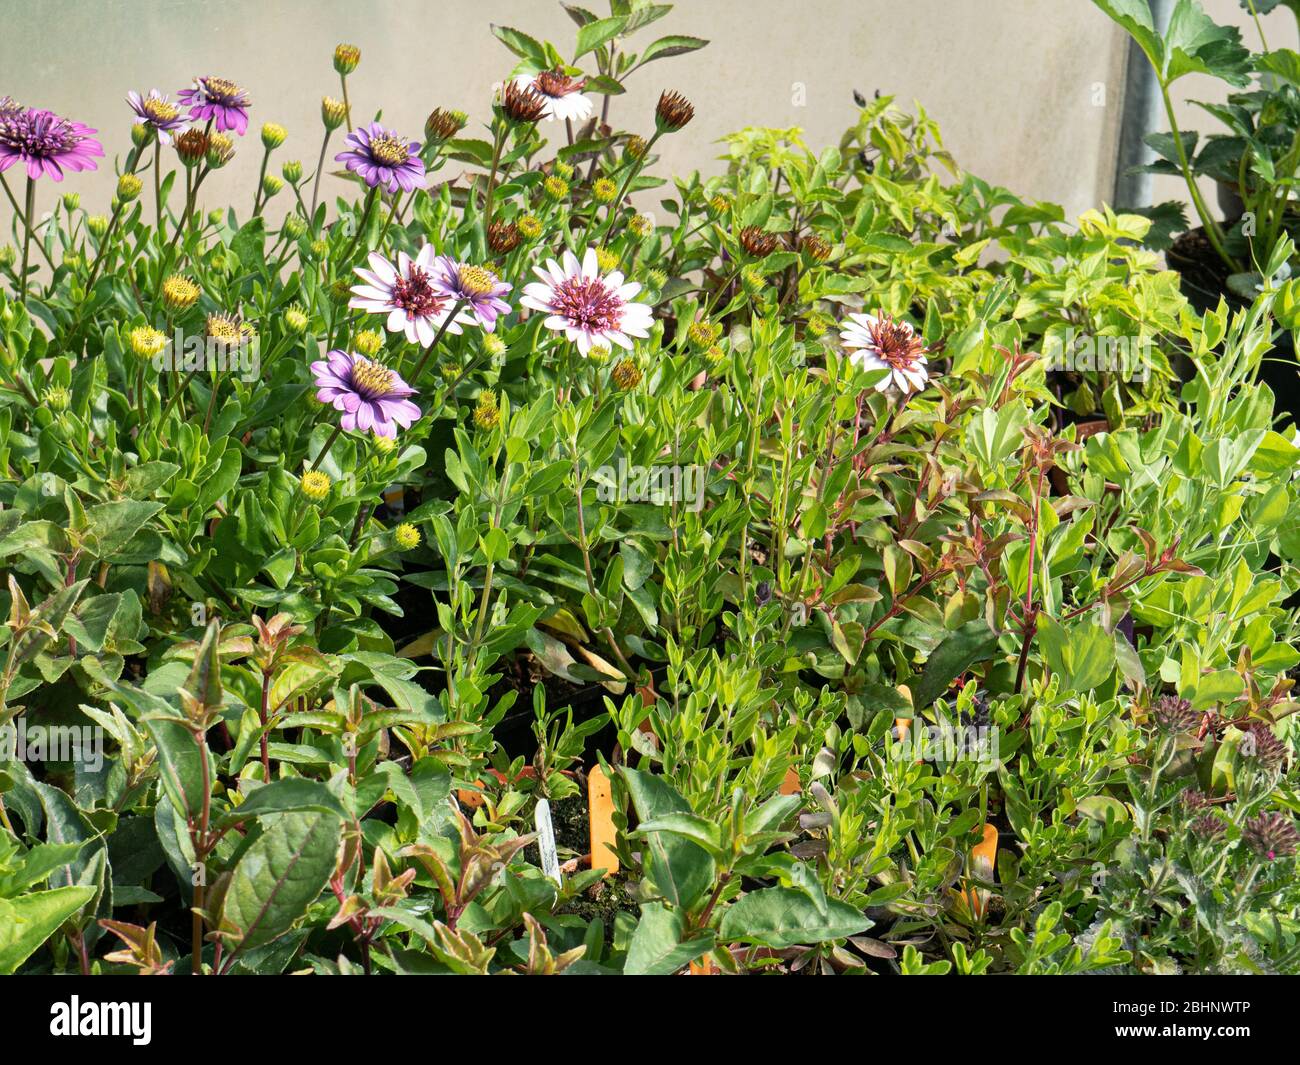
1028, 92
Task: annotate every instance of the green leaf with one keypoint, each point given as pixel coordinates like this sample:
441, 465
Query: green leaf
783, 917
657, 947
973, 642
291, 795
594, 34
278, 877
680, 869
28, 921
112, 525
179, 765
521, 44
668, 46
1083, 654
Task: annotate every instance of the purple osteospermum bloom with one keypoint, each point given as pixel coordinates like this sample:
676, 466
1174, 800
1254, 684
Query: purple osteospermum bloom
382, 157
476, 287
587, 308
46, 143
371, 396
218, 101
156, 112
10, 108
406, 292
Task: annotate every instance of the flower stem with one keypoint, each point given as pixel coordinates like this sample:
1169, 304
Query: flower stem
498, 142
632, 172
346, 257
320, 166
157, 184
415, 374
261, 176
325, 450
27, 238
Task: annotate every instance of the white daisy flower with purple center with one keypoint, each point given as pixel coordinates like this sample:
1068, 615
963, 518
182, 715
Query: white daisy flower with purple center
880, 342
561, 94
407, 293
587, 308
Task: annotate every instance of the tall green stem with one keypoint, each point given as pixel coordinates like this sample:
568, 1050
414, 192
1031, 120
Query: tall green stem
27, 238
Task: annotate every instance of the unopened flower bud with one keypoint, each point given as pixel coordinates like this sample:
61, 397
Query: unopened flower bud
191, 146
146, 341
332, 112
295, 319
315, 485
487, 415
273, 135
271, 185
368, 343
128, 187
443, 125
604, 190
626, 374
97, 224
221, 149
294, 226
407, 536
179, 293
346, 58
530, 226
71, 201
57, 398
292, 171
556, 188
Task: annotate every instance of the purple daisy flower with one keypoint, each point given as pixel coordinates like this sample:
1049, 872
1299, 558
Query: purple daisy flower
371, 396
475, 286
46, 143
383, 157
156, 112
218, 101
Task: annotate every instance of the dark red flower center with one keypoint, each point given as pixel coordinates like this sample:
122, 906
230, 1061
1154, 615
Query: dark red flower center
895, 343
588, 302
415, 295
553, 83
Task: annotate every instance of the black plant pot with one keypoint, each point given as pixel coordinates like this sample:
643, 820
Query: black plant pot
1203, 278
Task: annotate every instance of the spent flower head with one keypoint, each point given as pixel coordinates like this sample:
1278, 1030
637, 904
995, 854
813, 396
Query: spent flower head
673, 112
